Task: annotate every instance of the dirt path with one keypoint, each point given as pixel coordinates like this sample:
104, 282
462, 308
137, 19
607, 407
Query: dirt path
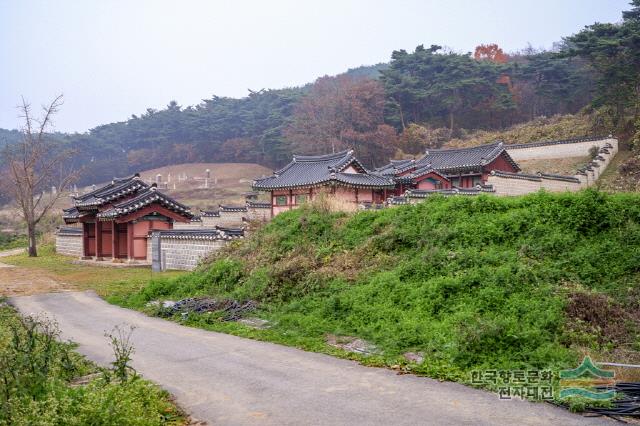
229, 380
15, 281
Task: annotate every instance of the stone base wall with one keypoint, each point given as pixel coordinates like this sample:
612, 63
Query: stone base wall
185, 254
521, 185
69, 244
231, 218
187, 225
259, 214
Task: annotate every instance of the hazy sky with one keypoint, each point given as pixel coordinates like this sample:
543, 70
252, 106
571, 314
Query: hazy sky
112, 59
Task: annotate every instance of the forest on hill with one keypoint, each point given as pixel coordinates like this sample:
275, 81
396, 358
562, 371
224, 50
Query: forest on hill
419, 99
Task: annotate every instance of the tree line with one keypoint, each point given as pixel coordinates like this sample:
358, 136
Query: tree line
419, 99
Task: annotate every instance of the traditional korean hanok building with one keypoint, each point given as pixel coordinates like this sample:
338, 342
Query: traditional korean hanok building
117, 218
340, 174
442, 169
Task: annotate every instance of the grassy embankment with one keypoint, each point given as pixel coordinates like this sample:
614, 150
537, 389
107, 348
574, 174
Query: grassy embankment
44, 382
469, 283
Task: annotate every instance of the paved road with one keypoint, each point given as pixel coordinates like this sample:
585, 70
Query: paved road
229, 380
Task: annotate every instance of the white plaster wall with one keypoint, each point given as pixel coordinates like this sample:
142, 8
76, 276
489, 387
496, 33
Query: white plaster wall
578, 149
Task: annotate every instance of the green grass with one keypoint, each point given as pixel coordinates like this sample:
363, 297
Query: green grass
472, 283
37, 387
104, 281
12, 241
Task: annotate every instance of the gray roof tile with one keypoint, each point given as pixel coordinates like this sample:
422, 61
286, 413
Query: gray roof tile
143, 199
315, 170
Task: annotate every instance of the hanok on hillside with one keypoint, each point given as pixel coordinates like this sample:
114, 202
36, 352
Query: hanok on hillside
441, 169
343, 175
116, 219
340, 174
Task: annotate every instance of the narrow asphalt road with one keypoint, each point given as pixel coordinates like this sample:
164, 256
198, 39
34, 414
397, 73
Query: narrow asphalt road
228, 380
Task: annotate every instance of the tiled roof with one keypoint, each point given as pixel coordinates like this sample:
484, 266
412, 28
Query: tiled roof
218, 233
534, 177
65, 230
210, 213
70, 213
465, 159
118, 188
143, 199
419, 172
258, 205
309, 171
230, 208
447, 161
395, 167
423, 193
397, 200
557, 142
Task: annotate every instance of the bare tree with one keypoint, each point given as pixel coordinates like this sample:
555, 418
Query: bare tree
35, 164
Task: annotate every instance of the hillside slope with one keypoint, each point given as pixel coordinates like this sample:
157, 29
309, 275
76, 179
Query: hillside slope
482, 283
227, 184
557, 127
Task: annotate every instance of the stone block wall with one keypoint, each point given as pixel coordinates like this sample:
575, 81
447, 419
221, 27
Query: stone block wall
231, 218
69, 241
520, 184
184, 248
259, 213
185, 253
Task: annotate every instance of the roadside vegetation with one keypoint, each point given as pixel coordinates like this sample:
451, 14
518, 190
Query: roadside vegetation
10, 241
467, 283
44, 382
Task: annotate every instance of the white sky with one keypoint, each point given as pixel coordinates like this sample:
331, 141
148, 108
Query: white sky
112, 59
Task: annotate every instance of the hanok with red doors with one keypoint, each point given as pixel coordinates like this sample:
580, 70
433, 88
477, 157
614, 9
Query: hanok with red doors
116, 219
449, 168
339, 174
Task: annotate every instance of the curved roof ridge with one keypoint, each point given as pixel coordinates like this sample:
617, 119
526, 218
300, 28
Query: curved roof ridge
324, 157
486, 145
115, 182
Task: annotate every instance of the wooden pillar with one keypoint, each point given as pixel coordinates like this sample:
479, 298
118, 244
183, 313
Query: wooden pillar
98, 240
356, 195
290, 199
114, 240
130, 241
273, 200
85, 240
